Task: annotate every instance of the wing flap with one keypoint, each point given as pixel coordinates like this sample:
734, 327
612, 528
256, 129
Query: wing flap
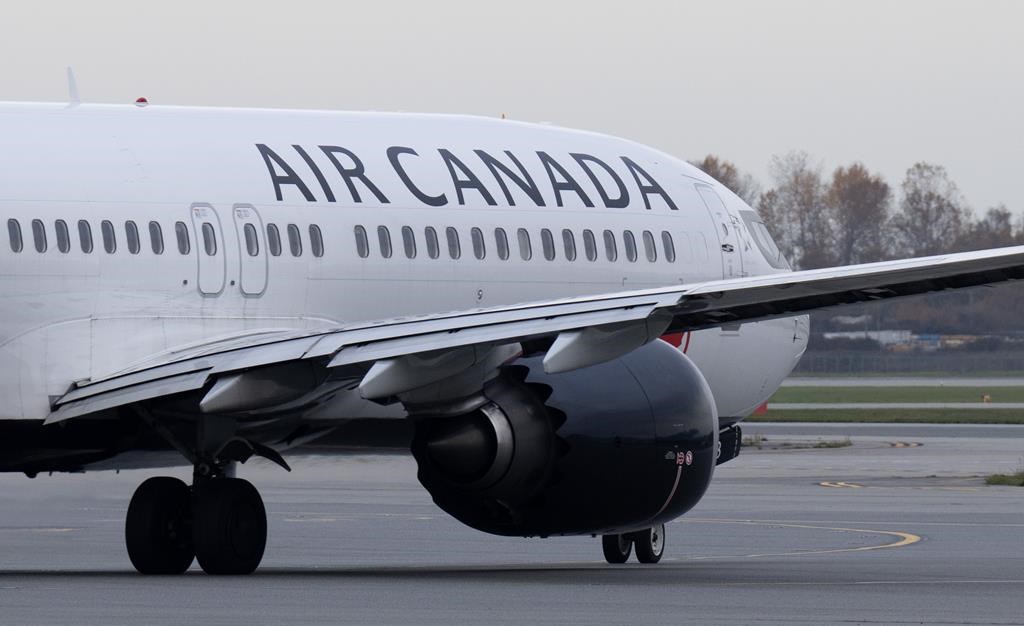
138, 392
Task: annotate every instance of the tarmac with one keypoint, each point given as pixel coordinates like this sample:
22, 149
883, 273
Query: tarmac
896, 528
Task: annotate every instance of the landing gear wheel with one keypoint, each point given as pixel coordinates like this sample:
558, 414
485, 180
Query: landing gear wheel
650, 544
230, 526
617, 548
157, 529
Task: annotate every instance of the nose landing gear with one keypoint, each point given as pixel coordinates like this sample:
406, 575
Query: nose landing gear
650, 545
617, 548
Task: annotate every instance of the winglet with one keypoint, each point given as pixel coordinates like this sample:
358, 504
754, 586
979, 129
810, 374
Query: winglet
73, 98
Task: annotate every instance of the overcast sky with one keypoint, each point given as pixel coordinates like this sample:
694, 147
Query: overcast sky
885, 82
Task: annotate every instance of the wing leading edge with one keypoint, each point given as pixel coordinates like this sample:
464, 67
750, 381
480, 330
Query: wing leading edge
404, 354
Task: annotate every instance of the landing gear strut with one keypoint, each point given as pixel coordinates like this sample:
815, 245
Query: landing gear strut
221, 521
650, 545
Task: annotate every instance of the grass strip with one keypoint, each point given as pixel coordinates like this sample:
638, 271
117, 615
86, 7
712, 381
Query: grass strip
1012, 480
895, 416
920, 374
799, 395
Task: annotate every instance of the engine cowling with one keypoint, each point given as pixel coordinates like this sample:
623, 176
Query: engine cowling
611, 448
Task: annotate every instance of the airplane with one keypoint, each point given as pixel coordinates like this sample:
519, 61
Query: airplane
565, 329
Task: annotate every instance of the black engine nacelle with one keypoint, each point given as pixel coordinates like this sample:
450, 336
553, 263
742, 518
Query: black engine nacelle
615, 447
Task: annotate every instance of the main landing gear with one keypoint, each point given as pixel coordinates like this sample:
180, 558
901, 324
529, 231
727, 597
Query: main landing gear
650, 545
220, 521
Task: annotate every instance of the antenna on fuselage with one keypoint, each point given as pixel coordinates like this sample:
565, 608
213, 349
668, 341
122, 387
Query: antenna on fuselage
73, 98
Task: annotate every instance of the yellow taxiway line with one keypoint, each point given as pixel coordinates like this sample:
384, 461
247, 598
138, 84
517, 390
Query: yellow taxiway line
902, 539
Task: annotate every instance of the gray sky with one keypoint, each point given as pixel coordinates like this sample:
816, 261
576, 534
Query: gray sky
887, 83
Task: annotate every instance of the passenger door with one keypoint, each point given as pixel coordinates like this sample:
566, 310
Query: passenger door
728, 232
252, 252
210, 251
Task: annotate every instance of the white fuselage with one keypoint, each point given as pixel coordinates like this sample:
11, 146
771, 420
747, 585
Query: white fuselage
67, 314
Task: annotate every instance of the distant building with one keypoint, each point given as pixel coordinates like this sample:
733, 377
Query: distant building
885, 338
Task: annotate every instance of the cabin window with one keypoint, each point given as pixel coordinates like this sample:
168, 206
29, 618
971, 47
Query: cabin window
649, 248
362, 242
85, 236
181, 234
569, 243
109, 237
156, 237
209, 239
131, 233
252, 244
525, 249
454, 247
294, 240
501, 243
610, 249
433, 248
668, 246
39, 235
477, 235
14, 232
409, 242
589, 245
384, 239
316, 241
629, 243
63, 236
547, 243
274, 240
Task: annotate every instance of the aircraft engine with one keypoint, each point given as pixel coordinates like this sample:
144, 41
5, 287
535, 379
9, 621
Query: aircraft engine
611, 448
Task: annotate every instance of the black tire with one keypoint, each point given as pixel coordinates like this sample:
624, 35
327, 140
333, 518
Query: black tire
617, 548
157, 529
229, 527
650, 544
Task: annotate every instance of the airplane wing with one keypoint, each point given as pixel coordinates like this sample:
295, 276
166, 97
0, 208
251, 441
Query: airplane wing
397, 356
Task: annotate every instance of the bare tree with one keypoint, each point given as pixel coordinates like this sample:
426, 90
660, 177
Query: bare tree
994, 230
932, 214
725, 172
795, 209
858, 202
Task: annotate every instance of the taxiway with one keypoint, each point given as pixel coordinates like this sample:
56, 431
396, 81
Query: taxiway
871, 533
